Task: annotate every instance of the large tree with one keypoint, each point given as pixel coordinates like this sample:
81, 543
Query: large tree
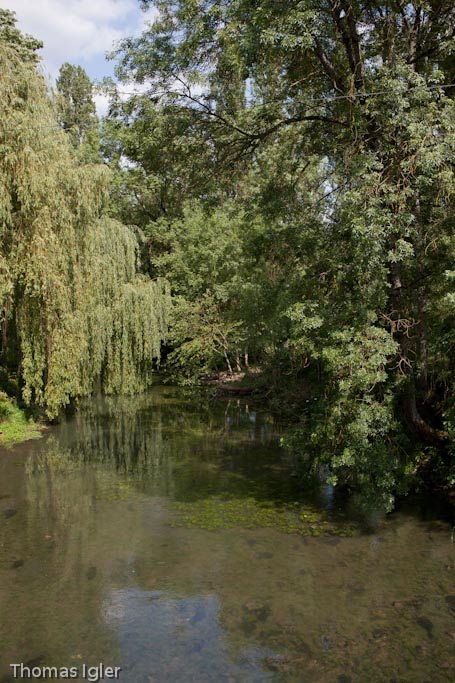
76, 109
75, 311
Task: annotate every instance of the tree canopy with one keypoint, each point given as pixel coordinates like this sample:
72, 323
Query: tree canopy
286, 175
325, 132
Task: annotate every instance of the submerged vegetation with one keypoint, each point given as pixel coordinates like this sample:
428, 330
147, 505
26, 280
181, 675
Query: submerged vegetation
285, 178
247, 513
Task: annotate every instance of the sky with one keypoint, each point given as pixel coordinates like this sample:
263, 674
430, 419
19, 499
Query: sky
79, 31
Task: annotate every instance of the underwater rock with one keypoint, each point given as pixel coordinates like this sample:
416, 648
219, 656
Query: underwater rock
426, 624
416, 603
259, 612
330, 540
91, 573
196, 647
254, 614
247, 626
35, 661
17, 563
326, 643
356, 589
198, 616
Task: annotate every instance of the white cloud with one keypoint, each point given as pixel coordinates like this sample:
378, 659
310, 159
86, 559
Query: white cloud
78, 31
101, 103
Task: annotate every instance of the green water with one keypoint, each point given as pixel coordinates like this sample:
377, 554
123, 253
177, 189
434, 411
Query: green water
169, 537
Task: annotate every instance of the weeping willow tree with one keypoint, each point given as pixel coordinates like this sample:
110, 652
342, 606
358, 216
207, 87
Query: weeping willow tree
75, 310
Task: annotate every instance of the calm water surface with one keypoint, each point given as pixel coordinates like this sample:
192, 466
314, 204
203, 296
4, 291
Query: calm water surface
169, 537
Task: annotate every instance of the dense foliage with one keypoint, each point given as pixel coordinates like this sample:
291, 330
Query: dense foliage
75, 310
292, 166
288, 169
76, 111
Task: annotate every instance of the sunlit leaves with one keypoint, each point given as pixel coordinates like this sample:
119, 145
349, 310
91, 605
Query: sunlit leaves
68, 274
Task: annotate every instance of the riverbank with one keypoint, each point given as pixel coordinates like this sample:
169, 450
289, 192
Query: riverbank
288, 400
242, 383
15, 425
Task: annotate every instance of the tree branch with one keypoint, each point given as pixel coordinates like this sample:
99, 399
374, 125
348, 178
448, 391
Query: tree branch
328, 67
249, 134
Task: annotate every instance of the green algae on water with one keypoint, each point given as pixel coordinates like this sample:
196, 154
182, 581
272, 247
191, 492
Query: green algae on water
217, 513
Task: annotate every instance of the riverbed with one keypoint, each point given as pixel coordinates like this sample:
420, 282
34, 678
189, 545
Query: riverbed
169, 536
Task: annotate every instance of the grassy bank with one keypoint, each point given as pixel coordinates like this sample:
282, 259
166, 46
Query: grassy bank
15, 425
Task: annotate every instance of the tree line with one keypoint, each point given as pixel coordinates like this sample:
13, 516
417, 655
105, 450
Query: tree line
288, 170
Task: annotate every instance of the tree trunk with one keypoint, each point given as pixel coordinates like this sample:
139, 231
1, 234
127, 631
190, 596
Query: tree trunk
423, 340
415, 421
421, 299
409, 404
226, 358
5, 329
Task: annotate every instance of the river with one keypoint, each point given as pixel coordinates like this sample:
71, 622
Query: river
169, 536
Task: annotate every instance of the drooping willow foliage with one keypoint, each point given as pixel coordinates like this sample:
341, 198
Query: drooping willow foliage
75, 310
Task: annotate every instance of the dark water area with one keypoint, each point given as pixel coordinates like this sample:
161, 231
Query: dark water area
169, 537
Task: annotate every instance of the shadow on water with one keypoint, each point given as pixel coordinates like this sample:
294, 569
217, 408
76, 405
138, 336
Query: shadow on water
148, 533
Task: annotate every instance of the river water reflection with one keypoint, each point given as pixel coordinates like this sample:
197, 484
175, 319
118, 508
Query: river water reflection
169, 537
